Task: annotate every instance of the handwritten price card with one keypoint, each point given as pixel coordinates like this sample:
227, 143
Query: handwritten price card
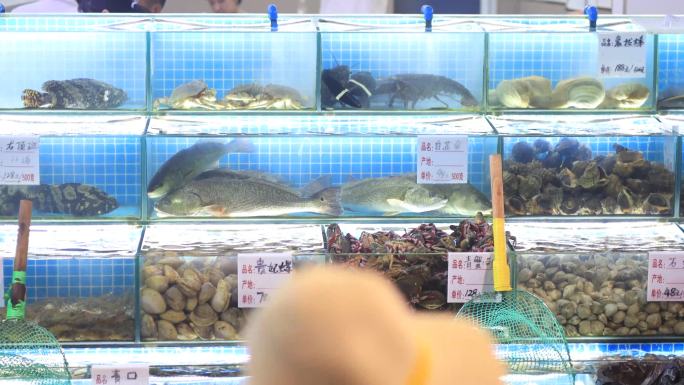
442, 159
622, 54
665, 276
469, 274
261, 274
120, 375
19, 160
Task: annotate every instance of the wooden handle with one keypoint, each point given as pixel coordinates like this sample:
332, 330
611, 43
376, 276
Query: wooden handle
21, 253
496, 176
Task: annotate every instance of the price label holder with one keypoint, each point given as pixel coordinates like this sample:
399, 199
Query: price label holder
120, 375
665, 276
442, 159
622, 54
261, 274
469, 274
19, 157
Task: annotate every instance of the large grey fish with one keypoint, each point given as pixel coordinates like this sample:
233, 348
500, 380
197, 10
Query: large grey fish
463, 199
384, 195
75, 199
80, 94
188, 163
319, 184
227, 197
390, 196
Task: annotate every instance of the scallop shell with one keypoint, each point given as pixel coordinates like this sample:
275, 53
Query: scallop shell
582, 93
628, 95
524, 92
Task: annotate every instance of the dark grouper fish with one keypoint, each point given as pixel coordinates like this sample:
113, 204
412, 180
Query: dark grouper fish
75, 199
77, 94
188, 163
227, 197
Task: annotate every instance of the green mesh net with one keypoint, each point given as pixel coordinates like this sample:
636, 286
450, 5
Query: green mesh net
530, 339
29, 354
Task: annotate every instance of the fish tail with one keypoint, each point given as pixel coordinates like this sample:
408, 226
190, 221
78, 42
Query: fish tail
241, 145
328, 201
35, 99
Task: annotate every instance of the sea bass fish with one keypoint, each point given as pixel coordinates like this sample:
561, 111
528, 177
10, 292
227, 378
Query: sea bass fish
80, 94
228, 197
319, 184
188, 163
446, 199
390, 195
75, 199
463, 199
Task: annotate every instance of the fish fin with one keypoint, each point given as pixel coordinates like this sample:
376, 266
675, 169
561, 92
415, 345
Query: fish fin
241, 145
215, 210
328, 201
391, 213
399, 204
222, 173
315, 186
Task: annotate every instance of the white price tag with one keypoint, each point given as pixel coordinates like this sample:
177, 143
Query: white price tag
469, 274
665, 276
120, 375
622, 54
260, 274
442, 159
19, 160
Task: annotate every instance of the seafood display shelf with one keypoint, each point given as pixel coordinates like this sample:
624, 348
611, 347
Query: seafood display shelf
239, 64
594, 276
165, 283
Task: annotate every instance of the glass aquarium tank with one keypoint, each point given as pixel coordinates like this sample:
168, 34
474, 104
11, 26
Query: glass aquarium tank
557, 64
80, 279
89, 167
189, 279
587, 165
595, 276
413, 256
237, 63
387, 63
312, 167
73, 63
670, 52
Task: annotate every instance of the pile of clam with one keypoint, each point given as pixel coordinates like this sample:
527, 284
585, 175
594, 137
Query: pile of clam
194, 299
541, 179
599, 295
579, 93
